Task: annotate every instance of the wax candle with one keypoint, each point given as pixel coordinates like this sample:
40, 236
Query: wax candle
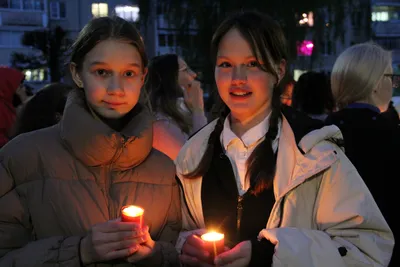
132, 213
214, 244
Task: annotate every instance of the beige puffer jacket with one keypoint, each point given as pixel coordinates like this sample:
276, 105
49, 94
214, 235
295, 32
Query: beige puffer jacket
56, 183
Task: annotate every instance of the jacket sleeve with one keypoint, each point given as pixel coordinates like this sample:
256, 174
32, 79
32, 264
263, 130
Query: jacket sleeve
351, 230
165, 254
17, 245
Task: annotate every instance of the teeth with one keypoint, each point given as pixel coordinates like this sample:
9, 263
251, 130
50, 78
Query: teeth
240, 93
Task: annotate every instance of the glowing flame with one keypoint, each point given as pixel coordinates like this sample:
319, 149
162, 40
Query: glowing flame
212, 236
133, 211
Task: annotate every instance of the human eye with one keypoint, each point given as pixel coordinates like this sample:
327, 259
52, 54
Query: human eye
129, 73
102, 72
224, 65
253, 64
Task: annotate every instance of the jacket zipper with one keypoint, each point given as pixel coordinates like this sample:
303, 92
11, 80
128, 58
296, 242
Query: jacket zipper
239, 213
108, 178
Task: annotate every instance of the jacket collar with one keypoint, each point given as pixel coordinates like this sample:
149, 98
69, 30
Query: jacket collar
95, 143
295, 162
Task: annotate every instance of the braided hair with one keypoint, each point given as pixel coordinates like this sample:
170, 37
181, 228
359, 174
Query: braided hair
268, 44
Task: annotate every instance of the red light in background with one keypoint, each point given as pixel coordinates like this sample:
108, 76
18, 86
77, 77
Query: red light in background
305, 48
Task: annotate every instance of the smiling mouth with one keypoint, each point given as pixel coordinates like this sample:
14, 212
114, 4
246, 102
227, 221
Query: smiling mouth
240, 93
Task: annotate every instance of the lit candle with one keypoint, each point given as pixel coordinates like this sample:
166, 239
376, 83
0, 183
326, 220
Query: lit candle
214, 244
132, 214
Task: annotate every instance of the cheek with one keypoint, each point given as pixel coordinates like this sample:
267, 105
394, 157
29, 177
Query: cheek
182, 77
223, 79
261, 78
261, 82
133, 87
94, 88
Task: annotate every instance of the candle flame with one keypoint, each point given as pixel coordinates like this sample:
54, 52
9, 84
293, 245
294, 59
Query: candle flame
212, 236
133, 211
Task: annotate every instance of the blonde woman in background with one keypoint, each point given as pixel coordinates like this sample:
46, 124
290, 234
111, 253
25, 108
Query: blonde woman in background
362, 88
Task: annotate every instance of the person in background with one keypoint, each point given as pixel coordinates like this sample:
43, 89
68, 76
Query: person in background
21, 96
44, 109
268, 177
10, 80
362, 87
62, 187
176, 99
287, 86
312, 95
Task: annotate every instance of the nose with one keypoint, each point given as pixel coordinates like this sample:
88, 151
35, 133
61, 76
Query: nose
115, 86
239, 75
192, 74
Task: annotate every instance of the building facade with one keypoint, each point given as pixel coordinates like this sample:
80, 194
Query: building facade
19, 16
386, 27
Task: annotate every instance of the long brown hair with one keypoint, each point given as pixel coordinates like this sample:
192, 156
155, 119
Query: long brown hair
162, 89
268, 45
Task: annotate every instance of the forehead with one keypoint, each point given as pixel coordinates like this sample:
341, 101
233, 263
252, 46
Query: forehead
114, 52
234, 44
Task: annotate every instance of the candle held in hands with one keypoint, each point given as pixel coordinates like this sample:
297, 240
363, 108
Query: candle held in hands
214, 244
132, 213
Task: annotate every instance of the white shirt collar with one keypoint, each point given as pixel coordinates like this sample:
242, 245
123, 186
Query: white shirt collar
251, 137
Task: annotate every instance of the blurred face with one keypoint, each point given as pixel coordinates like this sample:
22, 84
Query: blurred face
384, 91
286, 96
185, 75
112, 76
243, 86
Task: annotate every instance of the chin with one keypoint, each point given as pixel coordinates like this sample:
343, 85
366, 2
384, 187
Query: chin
111, 114
238, 108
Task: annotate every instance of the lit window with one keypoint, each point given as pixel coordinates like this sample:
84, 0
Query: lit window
36, 75
307, 19
129, 13
380, 16
100, 10
385, 13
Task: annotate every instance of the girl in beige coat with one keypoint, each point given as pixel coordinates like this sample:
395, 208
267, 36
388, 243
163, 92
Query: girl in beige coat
62, 188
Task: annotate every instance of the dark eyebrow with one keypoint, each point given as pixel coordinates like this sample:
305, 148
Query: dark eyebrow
104, 63
224, 57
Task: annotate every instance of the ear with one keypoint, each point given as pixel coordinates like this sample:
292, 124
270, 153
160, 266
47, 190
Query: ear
75, 75
281, 69
145, 71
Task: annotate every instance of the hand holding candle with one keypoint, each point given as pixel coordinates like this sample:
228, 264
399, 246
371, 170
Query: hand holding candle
111, 240
213, 244
133, 214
